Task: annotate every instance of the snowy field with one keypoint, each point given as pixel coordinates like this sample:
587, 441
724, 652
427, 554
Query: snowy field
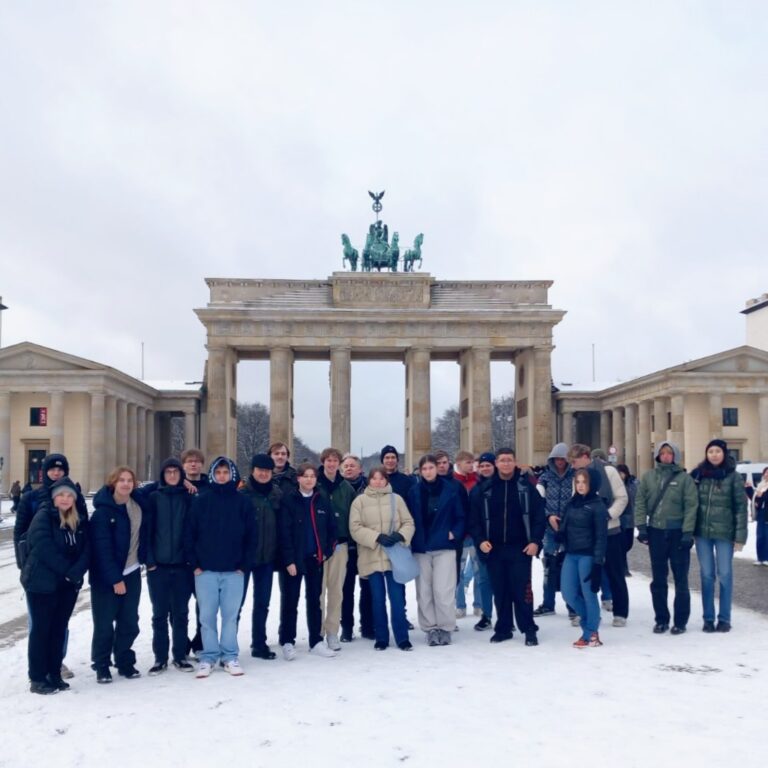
640, 700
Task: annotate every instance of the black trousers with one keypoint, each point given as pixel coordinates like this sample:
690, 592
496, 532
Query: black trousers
115, 623
50, 615
665, 553
262, 576
290, 588
170, 588
348, 597
615, 568
510, 572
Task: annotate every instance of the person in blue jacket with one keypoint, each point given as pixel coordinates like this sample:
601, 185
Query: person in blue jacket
118, 549
438, 514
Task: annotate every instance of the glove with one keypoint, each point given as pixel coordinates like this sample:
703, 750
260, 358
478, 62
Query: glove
686, 541
594, 578
383, 539
642, 535
397, 538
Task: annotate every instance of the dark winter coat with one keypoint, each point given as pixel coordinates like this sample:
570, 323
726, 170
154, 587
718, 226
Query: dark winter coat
340, 494
167, 511
265, 508
292, 532
401, 484
584, 524
55, 554
494, 511
432, 535
221, 530
286, 480
110, 535
722, 510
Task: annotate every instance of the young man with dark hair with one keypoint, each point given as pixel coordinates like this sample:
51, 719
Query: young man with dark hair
400, 482
507, 524
283, 475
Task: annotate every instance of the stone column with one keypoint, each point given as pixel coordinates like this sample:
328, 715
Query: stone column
5, 443
715, 417
131, 433
618, 436
56, 423
141, 442
221, 383
677, 433
659, 421
98, 457
341, 383
566, 435
475, 400
151, 445
122, 432
630, 437
533, 405
644, 449
190, 430
762, 413
110, 432
418, 422
280, 397
605, 430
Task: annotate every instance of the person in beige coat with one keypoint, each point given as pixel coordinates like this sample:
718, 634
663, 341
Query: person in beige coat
371, 526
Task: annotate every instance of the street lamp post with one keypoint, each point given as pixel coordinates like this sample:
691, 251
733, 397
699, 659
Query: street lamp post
2, 307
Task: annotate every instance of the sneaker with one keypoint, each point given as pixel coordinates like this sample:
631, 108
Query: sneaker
380, 645
477, 611
709, 626
58, 683
461, 613
183, 665
542, 610
347, 635
157, 668
44, 688
443, 637
433, 637
575, 621
130, 673
619, 621
322, 650
660, 629
607, 605
263, 653
594, 640
405, 645
234, 668
103, 675
289, 651
204, 670
723, 626
677, 631
333, 642
66, 672
581, 643
500, 637
531, 639
483, 624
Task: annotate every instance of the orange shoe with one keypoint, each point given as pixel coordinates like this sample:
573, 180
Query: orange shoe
594, 640
581, 643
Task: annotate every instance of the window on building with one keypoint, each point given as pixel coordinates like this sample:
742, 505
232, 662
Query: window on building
730, 417
38, 417
735, 454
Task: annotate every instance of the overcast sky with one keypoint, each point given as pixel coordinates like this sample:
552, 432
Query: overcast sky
619, 149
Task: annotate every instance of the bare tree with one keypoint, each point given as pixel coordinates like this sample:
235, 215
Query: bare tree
503, 422
252, 432
446, 434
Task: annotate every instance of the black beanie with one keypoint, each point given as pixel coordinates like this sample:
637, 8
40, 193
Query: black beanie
262, 461
54, 460
388, 449
721, 444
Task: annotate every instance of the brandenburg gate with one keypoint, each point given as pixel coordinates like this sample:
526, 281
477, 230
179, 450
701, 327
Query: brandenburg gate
410, 317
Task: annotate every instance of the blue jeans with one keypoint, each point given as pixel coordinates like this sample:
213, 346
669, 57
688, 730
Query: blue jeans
577, 593
219, 591
715, 558
377, 582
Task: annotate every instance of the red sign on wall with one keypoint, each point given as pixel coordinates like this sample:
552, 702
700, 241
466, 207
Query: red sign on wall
43, 417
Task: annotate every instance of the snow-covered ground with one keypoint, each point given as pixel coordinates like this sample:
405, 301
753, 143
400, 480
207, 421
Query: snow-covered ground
640, 700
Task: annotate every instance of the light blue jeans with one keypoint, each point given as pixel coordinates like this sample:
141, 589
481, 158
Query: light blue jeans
219, 591
578, 594
715, 559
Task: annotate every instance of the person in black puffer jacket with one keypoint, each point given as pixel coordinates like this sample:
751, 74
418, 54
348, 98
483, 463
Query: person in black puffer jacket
118, 548
583, 530
52, 576
169, 578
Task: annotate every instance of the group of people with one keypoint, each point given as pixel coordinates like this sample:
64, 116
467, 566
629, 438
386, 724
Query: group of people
330, 527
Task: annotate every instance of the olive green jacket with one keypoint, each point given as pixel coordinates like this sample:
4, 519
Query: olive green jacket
677, 510
722, 508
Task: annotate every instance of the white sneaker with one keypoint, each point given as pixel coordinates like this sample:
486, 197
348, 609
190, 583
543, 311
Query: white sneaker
478, 611
234, 668
66, 672
333, 642
461, 613
607, 605
321, 649
289, 651
204, 670
575, 621
619, 621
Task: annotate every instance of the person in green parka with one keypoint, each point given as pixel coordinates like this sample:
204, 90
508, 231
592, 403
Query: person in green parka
721, 529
